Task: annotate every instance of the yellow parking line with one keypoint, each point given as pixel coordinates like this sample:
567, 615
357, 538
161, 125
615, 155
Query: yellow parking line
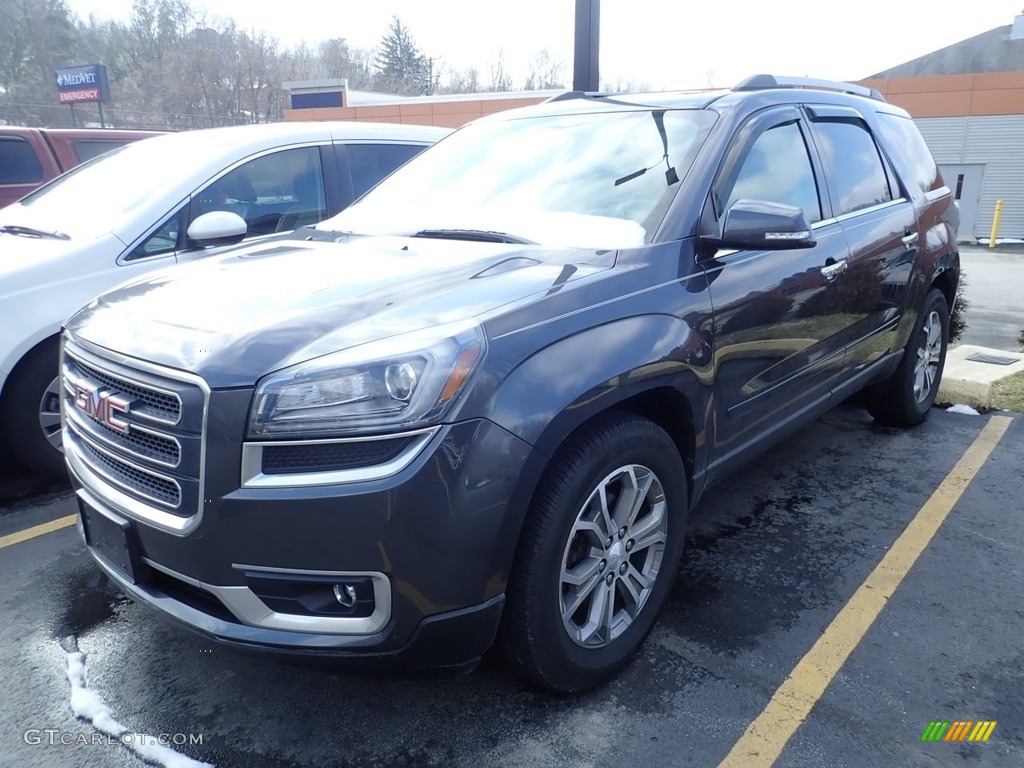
766, 737
36, 530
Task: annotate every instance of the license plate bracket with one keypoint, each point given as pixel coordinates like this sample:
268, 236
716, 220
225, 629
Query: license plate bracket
113, 539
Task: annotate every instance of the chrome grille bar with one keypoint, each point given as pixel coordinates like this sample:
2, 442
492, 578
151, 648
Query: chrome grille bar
134, 434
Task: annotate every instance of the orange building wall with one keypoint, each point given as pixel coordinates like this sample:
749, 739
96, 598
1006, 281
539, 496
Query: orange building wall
449, 114
991, 93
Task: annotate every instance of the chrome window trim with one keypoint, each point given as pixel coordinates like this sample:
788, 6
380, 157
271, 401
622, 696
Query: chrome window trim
128, 506
86, 428
252, 462
245, 606
871, 209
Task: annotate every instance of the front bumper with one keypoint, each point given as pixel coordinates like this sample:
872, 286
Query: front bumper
434, 544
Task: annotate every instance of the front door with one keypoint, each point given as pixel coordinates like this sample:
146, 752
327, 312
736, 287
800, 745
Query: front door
778, 338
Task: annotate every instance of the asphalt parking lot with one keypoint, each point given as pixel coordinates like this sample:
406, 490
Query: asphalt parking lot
770, 651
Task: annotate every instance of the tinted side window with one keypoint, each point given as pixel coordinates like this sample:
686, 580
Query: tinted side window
163, 240
278, 192
370, 163
18, 162
778, 169
87, 150
917, 166
857, 175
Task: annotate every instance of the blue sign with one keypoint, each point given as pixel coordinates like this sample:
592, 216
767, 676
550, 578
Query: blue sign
85, 83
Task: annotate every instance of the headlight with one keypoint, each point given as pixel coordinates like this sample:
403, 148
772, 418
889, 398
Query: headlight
402, 381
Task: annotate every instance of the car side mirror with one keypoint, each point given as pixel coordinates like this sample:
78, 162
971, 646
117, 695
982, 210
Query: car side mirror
217, 228
764, 226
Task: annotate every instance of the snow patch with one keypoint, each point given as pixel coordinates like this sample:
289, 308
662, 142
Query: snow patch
964, 409
88, 705
1001, 241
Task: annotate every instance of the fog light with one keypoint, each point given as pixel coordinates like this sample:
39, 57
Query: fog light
313, 594
345, 594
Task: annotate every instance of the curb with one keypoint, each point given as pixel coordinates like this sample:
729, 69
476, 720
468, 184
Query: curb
969, 381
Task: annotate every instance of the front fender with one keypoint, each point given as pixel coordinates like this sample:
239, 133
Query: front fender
553, 392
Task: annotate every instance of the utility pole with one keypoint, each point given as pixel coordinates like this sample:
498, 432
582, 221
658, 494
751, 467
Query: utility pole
588, 34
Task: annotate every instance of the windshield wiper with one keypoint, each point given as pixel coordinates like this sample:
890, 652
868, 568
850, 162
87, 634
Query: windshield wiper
477, 235
13, 229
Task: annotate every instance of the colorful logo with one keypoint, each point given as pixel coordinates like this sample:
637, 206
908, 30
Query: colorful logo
958, 730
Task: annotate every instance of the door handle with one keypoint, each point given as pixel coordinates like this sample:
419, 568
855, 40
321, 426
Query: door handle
909, 239
833, 269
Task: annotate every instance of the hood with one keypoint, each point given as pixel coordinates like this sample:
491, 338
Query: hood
18, 252
236, 317
25, 261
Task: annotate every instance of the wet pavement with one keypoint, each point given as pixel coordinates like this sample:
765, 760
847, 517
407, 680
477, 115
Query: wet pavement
772, 556
994, 282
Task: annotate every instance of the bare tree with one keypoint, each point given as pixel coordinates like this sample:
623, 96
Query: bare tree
36, 36
461, 81
500, 79
545, 73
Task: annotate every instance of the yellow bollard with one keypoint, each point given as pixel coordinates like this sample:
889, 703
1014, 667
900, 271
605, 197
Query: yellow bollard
995, 224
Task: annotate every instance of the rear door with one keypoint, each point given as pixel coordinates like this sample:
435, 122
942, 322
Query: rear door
362, 164
778, 338
878, 220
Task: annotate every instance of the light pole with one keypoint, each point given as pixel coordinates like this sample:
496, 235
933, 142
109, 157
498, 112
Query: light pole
585, 75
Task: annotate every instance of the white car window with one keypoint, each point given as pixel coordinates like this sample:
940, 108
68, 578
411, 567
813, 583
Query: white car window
273, 193
163, 241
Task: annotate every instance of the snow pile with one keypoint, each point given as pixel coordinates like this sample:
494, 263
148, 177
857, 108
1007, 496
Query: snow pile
964, 409
88, 705
1001, 241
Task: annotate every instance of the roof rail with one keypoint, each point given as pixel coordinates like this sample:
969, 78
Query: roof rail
578, 95
763, 82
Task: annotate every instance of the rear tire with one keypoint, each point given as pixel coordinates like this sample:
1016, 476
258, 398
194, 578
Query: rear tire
905, 399
30, 414
598, 555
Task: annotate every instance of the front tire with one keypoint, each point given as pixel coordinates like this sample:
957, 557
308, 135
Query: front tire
598, 554
30, 415
905, 399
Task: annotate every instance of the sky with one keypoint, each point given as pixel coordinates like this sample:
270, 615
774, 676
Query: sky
663, 44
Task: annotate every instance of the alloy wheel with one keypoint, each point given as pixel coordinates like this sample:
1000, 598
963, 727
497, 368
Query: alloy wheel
49, 415
929, 356
613, 556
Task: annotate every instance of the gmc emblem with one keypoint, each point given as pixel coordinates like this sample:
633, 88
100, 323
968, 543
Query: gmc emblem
102, 406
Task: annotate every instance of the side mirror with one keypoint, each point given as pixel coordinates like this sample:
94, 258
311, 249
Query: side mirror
760, 225
217, 228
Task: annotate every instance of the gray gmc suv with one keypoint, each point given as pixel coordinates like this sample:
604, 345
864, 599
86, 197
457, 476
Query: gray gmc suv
476, 407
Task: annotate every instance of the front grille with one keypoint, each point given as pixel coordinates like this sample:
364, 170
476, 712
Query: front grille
139, 441
161, 489
138, 431
327, 457
161, 405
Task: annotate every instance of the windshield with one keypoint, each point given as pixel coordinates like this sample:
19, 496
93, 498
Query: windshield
93, 198
585, 180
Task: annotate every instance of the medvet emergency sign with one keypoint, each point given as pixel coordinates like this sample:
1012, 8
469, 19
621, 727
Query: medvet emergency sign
84, 83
